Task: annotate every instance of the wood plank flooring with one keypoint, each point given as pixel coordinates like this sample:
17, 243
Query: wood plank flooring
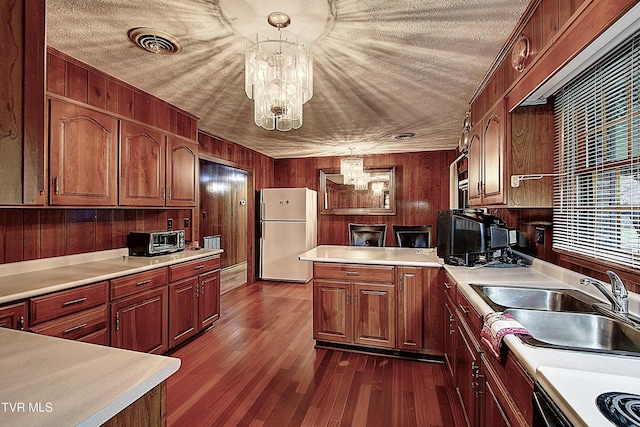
233, 277
258, 367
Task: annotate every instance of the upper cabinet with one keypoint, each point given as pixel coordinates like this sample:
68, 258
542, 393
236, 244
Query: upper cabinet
182, 172
503, 145
142, 165
83, 156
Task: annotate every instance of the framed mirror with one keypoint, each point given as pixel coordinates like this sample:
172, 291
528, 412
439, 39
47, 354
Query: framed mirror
339, 198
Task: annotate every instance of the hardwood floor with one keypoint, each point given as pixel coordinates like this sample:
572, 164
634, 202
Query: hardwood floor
233, 277
258, 367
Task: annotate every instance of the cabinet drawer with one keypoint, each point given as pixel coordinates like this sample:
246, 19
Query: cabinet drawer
75, 325
60, 304
135, 283
193, 268
355, 272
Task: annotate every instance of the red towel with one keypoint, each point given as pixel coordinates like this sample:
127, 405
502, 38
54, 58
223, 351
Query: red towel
496, 326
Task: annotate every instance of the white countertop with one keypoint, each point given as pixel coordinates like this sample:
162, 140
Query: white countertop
20, 280
56, 382
373, 255
572, 378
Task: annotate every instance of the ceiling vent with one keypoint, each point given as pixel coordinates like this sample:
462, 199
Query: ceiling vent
154, 41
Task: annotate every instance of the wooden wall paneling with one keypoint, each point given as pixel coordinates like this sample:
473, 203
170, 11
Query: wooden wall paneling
126, 102
76, 83
52, 232
80, 231
97, 91
55, 74
31, 234
144, 108
549, 20
12, 235
104, 230
163, 116
113, 96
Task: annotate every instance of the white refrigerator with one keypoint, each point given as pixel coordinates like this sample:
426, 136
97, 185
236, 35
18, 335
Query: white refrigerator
288, 228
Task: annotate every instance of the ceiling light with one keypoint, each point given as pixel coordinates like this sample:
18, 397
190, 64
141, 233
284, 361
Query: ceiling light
406, 135
352, 170
278, 75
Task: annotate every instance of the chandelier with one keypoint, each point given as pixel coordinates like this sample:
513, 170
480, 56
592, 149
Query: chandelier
352, 171
278, 75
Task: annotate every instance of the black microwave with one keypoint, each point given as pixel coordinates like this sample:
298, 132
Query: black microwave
466, 235
147, 243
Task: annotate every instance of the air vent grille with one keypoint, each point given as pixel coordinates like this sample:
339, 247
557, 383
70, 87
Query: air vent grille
154, 41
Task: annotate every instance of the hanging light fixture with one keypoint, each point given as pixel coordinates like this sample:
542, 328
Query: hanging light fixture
351, 168
278, 75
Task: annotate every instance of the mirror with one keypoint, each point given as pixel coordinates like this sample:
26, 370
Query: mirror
338, 198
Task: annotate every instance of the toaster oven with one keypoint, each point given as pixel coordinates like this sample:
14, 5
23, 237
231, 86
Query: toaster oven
144, 243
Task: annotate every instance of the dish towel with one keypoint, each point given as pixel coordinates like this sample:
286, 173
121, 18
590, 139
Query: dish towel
496, 326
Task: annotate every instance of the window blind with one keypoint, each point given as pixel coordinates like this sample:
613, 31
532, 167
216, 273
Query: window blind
597, 143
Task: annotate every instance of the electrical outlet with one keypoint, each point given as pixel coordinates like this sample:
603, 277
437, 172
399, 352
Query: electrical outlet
169, 224
539, 236
186, 223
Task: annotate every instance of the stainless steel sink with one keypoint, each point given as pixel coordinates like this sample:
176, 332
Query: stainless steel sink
578, 331
500, 298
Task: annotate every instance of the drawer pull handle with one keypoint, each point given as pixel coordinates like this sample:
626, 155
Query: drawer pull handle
144, 282
351, 273
464, 309
198, 267
75, 301
447, 286
75, 328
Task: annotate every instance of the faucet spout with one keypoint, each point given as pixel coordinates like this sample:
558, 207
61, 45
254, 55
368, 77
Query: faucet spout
618, 296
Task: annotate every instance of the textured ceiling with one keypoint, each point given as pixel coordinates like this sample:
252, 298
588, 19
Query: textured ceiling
381, 67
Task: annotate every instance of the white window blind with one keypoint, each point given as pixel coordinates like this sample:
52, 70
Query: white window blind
597, 128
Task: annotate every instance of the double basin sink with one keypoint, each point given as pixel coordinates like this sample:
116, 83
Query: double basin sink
564, 319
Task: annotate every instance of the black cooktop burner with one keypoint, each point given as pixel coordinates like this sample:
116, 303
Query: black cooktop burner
622, 409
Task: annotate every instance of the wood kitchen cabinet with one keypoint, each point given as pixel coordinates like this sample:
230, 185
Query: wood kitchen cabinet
140, 311
83, 156
355, 304
79, 314
450, 327
194, 297
182, 172
410, 308
142, 165
505, 144
14, 316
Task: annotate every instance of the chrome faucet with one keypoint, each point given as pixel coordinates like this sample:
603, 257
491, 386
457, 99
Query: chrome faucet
618, 295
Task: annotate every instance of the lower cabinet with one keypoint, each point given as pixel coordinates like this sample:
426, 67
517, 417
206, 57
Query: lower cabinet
490, 392
410, 308
14, 316
140, 322
194, 302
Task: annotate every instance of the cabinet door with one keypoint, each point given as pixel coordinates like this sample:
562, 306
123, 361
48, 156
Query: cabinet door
467, 373
474, 162
209, 298
332, 312
83, 156
450, 328
142, 166
182, 172
183, 310
13, 316
140, 322
410, 308
374, 315
494, 157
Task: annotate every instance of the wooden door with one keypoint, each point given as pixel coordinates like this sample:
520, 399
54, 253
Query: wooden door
332, 312
83, 156
467, 365
474, 162
182, 172
140, 322
494, 156
410, 308
142, 166
450, 328
209, 298
13, 316
183, 310
374, 314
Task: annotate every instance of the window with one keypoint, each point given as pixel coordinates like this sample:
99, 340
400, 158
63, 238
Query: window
597, 127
